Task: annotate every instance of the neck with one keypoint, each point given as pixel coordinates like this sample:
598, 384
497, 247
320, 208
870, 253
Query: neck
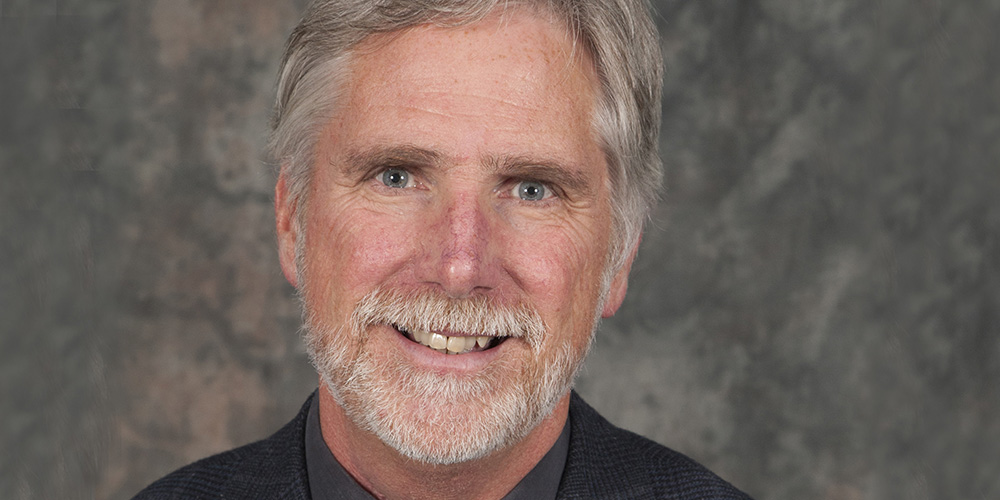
387, 474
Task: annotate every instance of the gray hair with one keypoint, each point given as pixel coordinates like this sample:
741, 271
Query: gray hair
618, 34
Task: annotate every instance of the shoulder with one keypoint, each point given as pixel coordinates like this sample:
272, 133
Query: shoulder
270, 468
607, 462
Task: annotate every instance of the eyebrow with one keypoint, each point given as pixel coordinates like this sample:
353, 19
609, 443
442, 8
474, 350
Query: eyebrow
545, 170
363, 161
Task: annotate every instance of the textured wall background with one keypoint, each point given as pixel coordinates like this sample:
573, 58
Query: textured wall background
814, 312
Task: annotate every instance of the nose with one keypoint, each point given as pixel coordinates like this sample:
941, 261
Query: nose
457, 255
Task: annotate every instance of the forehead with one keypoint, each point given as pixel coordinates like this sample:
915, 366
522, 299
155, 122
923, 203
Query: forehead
518, 42
513, 80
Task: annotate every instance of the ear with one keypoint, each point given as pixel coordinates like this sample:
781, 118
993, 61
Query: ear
619, 284
284, 215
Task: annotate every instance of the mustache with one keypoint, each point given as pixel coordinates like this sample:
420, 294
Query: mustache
431, 310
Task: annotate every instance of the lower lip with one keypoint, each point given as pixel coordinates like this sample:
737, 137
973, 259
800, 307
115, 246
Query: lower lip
441, 362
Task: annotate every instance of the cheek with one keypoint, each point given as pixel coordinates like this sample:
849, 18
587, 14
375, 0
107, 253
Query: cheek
560, 270
350, 252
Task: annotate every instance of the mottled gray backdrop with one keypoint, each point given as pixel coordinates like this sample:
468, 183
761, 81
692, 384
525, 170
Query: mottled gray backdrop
813, 314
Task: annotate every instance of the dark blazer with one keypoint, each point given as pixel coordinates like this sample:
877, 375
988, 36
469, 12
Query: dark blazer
603, 462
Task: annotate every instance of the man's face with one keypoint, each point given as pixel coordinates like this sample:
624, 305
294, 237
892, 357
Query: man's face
459, 178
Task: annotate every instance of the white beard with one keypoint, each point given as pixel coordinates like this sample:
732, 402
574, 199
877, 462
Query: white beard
434, 418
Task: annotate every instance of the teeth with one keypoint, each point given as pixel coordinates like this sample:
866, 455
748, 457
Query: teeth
456, 344
438, 341
449, 345
422, 336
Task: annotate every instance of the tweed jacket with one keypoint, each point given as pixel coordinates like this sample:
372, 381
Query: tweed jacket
604, 462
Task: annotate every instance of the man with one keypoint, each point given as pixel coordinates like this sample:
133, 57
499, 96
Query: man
461, 192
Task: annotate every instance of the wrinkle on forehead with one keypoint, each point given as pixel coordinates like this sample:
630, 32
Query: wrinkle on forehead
506, 107
550, 46
527, 104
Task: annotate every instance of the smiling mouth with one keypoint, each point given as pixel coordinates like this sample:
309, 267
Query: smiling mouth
450, 344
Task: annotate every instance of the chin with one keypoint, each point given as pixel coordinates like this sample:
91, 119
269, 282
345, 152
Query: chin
438, 408
441, 418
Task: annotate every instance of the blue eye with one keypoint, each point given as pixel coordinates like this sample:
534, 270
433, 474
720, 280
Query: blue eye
395, 178
530, 190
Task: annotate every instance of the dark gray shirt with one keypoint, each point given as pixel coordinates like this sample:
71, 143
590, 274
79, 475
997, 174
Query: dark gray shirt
329, 481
